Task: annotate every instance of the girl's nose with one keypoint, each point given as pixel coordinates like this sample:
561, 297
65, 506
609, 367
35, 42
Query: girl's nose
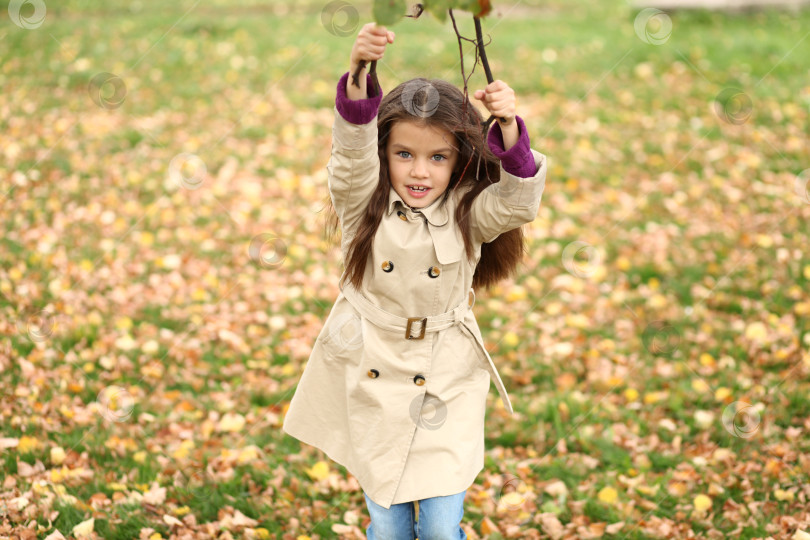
419, 170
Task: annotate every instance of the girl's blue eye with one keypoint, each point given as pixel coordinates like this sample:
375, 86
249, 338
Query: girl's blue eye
405, 155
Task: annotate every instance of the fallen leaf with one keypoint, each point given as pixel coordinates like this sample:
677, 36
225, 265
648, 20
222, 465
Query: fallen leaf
319, 471
85, 528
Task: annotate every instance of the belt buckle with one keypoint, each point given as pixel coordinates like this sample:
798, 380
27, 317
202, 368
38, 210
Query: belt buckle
412, 320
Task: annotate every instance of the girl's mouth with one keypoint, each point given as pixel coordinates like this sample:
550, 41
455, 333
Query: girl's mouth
418, 191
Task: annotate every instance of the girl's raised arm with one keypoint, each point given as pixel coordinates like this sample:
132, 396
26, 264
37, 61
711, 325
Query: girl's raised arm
515, 199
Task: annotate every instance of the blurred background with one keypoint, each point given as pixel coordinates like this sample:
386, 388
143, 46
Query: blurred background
164, 270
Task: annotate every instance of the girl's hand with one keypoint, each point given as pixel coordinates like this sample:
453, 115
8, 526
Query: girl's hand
370, 44
500, 101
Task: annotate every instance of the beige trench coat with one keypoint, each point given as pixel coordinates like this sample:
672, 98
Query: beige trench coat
405, 416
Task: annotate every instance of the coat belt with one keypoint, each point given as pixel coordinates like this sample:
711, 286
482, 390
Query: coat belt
388, 321
413, 327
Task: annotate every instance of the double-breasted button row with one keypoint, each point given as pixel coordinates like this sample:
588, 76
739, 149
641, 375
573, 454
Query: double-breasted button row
433, 271
418, 380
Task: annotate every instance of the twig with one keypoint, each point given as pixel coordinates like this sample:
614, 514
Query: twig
371, 71
483, 54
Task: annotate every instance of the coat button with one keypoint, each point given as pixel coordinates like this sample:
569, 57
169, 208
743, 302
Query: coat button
419, 380
401, 215
434, 271
373, 373
387, 266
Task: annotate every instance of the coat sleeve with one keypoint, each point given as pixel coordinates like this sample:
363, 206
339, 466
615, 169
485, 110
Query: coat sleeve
354, 165
514, 200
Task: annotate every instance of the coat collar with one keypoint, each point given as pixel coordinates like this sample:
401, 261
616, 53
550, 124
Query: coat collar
436, 213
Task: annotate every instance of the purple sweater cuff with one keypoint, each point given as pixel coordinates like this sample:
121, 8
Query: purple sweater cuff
518, 160
361, 111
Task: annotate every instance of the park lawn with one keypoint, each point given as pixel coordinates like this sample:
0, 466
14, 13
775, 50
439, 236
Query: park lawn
658, 367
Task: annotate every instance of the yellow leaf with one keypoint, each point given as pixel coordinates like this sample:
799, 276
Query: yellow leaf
577, 320
232, 422
782, 495
510, 339
488, 527
57, 455
248, 454
655, 396
139, 456
706, 359
516, 293
287, 370
85, 528
702, 503
756, 331
608, 495
704, 419
27, 444
722, 393
631, 394
806, 272
319, 471
700, 386
123, 323
513, 499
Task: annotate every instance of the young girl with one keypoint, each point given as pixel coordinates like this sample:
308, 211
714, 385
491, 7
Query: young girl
395, 389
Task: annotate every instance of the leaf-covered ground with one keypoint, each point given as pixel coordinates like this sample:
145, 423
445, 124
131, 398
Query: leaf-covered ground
163, 270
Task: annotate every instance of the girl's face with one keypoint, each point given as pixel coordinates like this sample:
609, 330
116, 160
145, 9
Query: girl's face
421, 160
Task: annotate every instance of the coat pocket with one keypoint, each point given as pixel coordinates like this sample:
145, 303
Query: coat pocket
342, 336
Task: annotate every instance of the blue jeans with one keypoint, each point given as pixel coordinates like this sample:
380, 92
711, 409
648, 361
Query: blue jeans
439, 519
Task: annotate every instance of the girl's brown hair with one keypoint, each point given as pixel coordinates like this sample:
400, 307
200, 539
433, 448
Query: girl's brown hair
476, 168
